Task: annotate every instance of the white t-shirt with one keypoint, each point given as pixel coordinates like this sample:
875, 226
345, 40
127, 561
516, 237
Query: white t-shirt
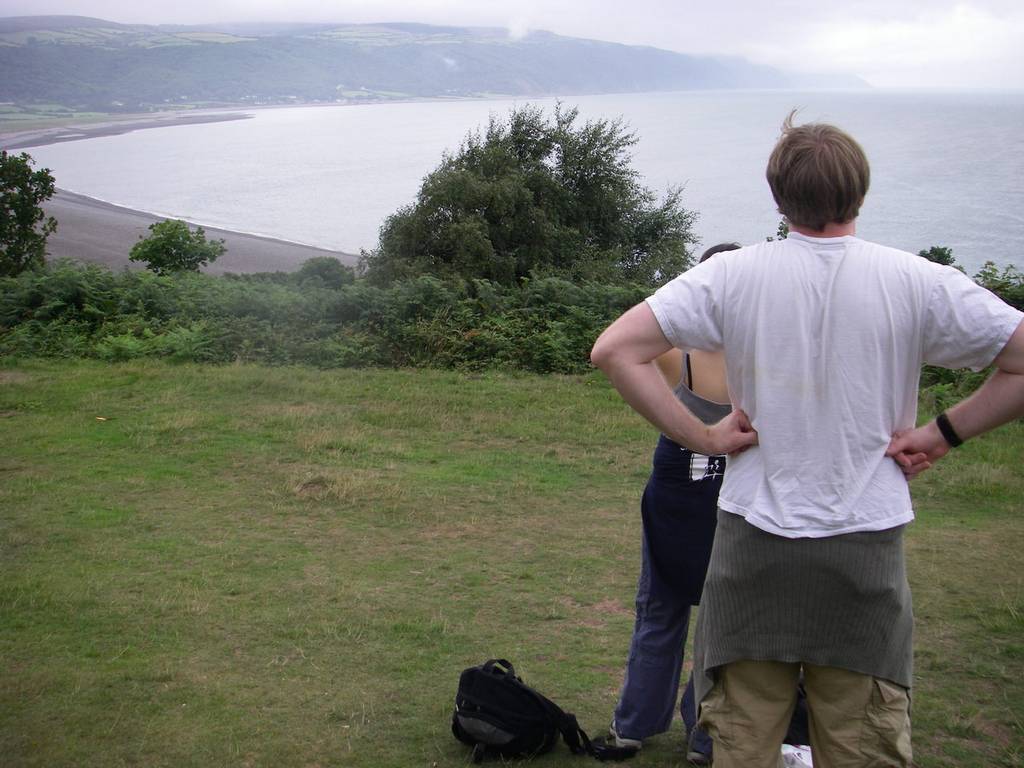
824, 341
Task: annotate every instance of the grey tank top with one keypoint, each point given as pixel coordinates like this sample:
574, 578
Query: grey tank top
707, 411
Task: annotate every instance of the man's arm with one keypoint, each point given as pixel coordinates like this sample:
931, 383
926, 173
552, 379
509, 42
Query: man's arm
999, 400
625, 352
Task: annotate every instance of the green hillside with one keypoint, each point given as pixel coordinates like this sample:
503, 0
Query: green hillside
91, 64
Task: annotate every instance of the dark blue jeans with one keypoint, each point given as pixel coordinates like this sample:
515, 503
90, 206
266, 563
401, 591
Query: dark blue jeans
679, 511
648, 698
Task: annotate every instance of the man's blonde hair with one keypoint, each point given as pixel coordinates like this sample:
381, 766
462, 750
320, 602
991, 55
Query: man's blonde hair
818, 174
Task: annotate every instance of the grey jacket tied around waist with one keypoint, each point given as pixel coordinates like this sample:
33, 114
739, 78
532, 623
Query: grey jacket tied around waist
841, 601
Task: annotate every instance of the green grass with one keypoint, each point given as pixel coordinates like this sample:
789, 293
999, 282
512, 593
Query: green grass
38, 117
278, 566
34, 117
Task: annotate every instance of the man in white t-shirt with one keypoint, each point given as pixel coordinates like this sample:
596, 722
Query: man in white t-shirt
824, 336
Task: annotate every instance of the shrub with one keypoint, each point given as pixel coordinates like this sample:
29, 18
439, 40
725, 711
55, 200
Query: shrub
939, 254
547, 324
173, 247
345, 349
326, 271
120, 348
1007, 283
193, 344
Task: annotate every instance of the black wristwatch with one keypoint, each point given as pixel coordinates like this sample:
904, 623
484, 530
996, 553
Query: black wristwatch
942, 422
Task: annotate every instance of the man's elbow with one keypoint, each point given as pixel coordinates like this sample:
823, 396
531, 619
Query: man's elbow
1011, 359
635, 337
610, 350
602, 354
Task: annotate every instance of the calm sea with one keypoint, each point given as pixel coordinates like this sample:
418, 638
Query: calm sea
947, 168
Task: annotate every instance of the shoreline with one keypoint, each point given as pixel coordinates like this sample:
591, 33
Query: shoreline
113, 125
94, 231
58, 134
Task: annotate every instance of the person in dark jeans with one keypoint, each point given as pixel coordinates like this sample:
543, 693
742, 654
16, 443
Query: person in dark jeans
678, 511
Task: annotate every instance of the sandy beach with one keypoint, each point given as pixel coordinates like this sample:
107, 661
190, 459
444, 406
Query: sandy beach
94, 231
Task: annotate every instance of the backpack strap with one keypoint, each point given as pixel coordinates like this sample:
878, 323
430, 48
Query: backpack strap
599, 749
578, 741
500, 667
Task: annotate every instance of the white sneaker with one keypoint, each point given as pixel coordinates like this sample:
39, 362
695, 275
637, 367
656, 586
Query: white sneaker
622, 741
797, 756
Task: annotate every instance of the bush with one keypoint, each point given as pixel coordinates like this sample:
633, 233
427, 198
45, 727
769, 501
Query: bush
941, 388
191, 344
325, 271
939, 255
536, 197
541, 325
345, 349
173, 247
1007, 284
59, 338
120, 348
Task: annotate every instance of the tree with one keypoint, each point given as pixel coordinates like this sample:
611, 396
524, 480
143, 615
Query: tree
529, 197
1007, 284
781, 231
173, 247
939, 254
24, 226
326, 270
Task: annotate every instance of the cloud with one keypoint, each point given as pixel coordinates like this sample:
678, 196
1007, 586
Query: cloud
518, 27
959, 46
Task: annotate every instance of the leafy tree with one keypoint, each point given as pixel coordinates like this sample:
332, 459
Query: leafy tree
326, 270
173, 247
530, 197
940, 255
1007, 284
781, 231
24, 226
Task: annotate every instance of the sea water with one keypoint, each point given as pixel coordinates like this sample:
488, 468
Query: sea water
946, 167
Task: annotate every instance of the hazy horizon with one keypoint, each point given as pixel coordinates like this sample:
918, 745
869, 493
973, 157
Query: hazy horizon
921, 44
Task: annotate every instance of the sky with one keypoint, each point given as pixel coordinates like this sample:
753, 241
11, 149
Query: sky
889, 43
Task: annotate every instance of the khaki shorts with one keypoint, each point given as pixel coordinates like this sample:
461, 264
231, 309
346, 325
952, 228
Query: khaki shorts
856, 721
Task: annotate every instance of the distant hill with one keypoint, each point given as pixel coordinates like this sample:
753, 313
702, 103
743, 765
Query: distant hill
87, 63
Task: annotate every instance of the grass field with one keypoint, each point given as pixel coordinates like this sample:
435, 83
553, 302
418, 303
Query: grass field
19, 118
244, 566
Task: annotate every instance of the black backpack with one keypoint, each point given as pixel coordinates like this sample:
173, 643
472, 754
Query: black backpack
498, 715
